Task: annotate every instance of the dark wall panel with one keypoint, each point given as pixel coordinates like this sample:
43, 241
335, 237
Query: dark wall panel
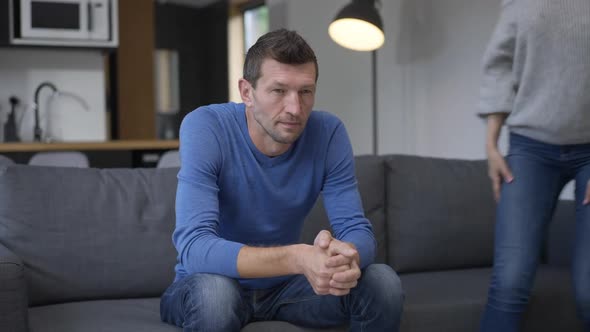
200, 37
215, 35
4, 22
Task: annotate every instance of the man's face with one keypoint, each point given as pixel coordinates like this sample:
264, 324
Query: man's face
281, 102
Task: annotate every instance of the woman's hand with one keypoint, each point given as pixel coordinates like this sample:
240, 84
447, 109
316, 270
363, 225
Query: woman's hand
498, 171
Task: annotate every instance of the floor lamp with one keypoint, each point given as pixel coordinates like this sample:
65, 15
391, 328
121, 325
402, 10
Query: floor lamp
358, 27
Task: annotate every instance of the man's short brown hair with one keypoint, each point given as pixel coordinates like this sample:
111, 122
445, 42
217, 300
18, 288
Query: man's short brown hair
282, 45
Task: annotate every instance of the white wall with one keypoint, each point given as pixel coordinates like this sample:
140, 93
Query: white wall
428, 73
429, 76
63, 118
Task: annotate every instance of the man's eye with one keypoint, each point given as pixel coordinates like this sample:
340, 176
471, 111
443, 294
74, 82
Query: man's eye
306, 92
279, 91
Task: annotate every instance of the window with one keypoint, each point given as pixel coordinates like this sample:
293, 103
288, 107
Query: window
255, 24
246, 24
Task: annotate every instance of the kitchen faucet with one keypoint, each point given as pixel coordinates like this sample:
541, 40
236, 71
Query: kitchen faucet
37, 129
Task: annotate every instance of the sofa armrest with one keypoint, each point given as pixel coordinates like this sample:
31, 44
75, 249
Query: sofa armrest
13, 292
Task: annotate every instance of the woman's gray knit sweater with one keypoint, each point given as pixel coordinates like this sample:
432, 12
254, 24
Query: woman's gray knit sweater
537, 68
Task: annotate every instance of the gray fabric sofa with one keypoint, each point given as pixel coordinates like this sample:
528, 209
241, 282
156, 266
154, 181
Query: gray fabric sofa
90, 250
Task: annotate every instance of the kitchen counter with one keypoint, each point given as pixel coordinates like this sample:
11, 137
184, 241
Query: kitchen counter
122, 145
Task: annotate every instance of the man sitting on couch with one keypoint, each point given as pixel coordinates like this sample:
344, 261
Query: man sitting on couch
249, 175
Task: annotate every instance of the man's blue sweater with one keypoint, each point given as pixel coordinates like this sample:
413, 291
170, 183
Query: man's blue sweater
230, 194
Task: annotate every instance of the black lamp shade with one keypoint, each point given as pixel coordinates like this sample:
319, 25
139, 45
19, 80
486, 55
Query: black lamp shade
358, 26
363, 10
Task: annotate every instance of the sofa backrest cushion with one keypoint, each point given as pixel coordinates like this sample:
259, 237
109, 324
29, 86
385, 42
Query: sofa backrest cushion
440, 213
370, 175
89, 233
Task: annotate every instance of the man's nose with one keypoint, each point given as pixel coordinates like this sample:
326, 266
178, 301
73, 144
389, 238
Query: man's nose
293, 103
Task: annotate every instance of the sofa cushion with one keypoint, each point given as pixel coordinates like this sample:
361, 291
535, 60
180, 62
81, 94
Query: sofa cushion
274, 326
552, 305
370, 174
89, 233
444, 300
13, 292
133, 315
99, 316
454, 301
440, 213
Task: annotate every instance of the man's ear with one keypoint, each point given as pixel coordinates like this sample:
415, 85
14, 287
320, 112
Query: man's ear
246, 90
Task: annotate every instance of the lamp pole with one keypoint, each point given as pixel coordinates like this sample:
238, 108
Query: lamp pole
374, 102
363, 16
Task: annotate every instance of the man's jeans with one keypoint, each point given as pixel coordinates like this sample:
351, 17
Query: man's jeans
209, 302
526, 206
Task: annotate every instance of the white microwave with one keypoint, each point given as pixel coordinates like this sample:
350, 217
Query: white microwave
65, 22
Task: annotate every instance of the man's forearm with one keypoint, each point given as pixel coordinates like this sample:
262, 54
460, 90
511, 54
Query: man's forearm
256, 262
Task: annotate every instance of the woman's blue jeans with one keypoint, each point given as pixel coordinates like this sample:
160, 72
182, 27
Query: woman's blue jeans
525, 208
209, 302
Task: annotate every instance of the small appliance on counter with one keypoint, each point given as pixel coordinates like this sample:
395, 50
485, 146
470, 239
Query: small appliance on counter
10, 129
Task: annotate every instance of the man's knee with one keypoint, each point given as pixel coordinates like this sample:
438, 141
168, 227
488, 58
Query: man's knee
212, 301
211, 291
384, 285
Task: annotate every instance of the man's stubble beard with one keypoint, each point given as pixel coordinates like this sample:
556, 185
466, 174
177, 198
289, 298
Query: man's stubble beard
275, 135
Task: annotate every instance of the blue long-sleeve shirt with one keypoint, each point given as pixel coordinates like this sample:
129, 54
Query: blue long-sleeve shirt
230, 194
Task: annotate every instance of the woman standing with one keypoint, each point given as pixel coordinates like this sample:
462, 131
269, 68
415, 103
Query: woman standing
537, 82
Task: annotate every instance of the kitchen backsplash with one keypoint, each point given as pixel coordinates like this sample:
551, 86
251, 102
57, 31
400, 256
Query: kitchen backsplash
77, 114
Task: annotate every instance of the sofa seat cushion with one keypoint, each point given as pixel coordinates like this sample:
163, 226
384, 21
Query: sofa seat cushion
552, 306
454, 301
124, 316
274, 326
445, 300
100, 316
